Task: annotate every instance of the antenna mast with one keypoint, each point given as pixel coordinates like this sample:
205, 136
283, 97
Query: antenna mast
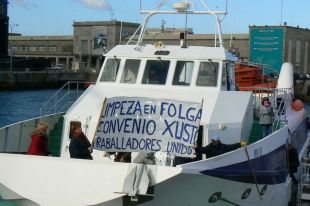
281, 20
184, 7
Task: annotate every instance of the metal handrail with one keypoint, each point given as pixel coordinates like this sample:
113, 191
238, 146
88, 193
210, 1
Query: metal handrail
55, 94
278, 112
63, 98
286, 94
22, 131
273, 93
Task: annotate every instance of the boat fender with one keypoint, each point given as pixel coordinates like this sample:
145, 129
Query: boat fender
297, 105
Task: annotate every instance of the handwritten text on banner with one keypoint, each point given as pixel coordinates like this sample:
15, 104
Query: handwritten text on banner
149, 125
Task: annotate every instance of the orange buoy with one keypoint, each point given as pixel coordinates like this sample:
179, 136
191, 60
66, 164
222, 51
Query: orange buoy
297, 105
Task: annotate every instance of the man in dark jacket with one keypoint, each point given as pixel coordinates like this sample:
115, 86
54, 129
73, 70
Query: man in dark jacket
216, 147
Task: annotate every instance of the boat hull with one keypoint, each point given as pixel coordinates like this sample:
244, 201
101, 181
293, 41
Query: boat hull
197, 190
97, 183
37, 180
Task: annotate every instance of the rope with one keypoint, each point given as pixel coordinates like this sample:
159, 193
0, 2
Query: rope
252, 171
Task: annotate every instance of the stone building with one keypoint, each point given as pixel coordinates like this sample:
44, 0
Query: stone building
58, 49
81, 51
84, 50
92, 38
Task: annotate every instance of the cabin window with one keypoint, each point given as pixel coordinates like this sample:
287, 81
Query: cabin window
155, 72
225, 77
110, 70
183, 73
207, 74
130, 71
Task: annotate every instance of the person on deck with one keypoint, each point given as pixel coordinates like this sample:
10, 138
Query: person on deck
80, 147
216, 147
39, 141
265, 117
293, 162
119, 156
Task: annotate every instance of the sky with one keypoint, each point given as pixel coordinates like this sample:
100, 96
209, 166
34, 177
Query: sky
55, 17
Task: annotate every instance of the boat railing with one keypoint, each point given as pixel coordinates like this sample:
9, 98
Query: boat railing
266, 67
16, 138
63, 98
255, 74
280, 98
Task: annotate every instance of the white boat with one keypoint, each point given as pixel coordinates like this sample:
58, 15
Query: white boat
256, 174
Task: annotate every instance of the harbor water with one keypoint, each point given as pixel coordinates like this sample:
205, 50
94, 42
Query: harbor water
17, 106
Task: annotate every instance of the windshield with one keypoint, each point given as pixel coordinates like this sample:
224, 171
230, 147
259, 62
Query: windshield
110, 70
130, 71
183, 73
207, 74
155, 72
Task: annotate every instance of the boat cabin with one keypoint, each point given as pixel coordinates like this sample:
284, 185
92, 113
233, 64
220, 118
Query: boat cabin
171, 66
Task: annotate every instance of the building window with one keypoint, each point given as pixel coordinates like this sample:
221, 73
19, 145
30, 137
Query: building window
84, 59
22, 48
84, 47
51, 48
93, 61
32, 48
14, 48
298, 52
42, 48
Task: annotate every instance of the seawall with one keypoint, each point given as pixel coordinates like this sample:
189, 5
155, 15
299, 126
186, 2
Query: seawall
18, 80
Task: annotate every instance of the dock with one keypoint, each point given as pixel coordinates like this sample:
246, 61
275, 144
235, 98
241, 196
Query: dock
44, 79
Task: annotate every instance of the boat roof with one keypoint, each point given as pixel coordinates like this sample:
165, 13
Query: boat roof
171, 52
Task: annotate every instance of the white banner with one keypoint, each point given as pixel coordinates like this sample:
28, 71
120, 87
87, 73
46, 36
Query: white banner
147, 124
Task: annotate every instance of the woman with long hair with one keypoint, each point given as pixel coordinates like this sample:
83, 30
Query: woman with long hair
39, 140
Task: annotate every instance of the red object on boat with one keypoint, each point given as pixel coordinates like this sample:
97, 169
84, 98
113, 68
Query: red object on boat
297, 105
250, 77
87, 84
